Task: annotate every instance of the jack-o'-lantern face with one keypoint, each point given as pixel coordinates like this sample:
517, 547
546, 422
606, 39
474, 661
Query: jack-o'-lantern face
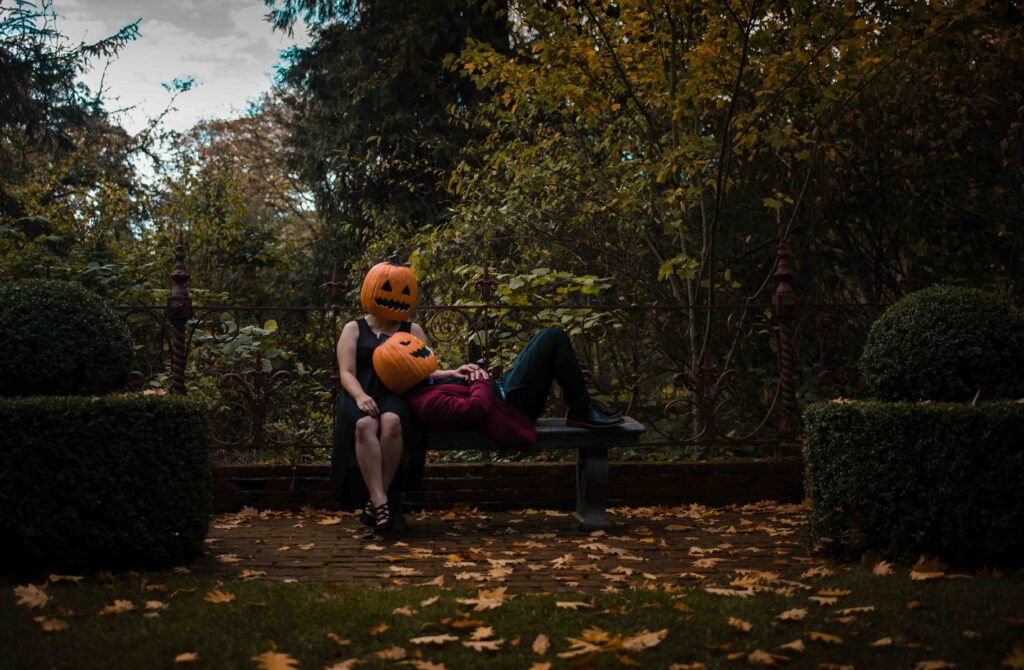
402, 361
389, 291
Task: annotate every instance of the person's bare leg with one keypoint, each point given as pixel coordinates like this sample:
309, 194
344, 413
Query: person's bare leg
390, 446
368, 455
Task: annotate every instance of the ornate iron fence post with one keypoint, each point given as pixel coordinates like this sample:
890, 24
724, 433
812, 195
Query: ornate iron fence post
785, 306
179, 311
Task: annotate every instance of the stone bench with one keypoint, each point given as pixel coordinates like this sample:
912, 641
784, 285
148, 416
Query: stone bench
591, 458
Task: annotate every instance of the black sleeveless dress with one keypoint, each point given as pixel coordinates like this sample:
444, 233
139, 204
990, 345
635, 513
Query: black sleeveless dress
346, 479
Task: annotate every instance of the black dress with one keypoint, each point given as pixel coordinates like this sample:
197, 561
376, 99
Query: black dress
346, 479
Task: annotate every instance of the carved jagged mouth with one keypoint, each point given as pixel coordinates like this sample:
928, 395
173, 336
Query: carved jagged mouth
422, 352
396, 305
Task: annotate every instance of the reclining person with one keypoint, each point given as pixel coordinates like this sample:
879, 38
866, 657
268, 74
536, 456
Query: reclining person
504, 410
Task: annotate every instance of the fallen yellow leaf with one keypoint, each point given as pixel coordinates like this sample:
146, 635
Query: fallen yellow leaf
934, 665
217, 596
855, 610
66, 578
792, 615
1015, 659
881, 642
379, 628
155, 605
484, 645
644, 640
31, 596
541, 644
758, 657
434, 639
338, 640
117, 607
482, 633
882, 568
429, 601
187, 657
925, 576
404, 611
395, 653
796, 645
825, 637
572, 604
545, 665
330, 521
345, 665
419, 664
739, 624
51, 625
272, 660
485, 600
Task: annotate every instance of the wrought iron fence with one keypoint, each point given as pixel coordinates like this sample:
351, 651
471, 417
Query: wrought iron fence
271, 372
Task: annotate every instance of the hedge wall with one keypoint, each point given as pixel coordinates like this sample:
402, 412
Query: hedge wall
946, 344
910, 478
59, 338
109, 482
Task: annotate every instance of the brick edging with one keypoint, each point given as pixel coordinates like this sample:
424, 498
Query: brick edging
507, 485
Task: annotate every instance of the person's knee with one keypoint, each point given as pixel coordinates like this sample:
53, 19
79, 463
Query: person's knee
366, 427
390, 426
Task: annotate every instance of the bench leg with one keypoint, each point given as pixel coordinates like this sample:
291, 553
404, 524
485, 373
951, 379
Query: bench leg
592, 488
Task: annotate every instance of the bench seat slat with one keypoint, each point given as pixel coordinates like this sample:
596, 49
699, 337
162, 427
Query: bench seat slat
551, 434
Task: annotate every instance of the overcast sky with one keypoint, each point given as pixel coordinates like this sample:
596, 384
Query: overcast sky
224, 44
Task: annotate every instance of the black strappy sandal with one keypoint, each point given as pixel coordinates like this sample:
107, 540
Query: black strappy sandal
366, 517
384, 522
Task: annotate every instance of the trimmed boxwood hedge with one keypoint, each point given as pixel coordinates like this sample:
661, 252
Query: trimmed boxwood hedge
946, 343
59, 338
910, 478
111, 482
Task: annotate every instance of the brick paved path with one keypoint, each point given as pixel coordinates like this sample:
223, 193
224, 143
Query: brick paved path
525, 550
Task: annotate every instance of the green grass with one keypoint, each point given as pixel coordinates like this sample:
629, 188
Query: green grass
296, 619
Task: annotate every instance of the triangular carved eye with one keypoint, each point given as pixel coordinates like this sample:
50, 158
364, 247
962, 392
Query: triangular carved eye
386, 286
405, 343
405, 291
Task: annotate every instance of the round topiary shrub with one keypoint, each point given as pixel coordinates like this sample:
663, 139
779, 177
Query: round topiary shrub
945, 343
58, 338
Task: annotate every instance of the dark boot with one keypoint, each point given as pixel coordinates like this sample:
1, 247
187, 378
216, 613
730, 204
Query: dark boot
590, 417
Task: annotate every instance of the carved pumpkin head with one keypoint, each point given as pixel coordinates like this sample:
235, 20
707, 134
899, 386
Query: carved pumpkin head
389, 291
402, 361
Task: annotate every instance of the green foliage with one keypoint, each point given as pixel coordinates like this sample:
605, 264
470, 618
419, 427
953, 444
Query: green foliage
945, 343
111, 482
910, 478
379, 175
58, 338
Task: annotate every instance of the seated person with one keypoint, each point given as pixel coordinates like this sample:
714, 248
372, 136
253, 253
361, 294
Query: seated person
504, 410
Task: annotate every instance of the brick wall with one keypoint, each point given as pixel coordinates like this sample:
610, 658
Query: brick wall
509, 485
